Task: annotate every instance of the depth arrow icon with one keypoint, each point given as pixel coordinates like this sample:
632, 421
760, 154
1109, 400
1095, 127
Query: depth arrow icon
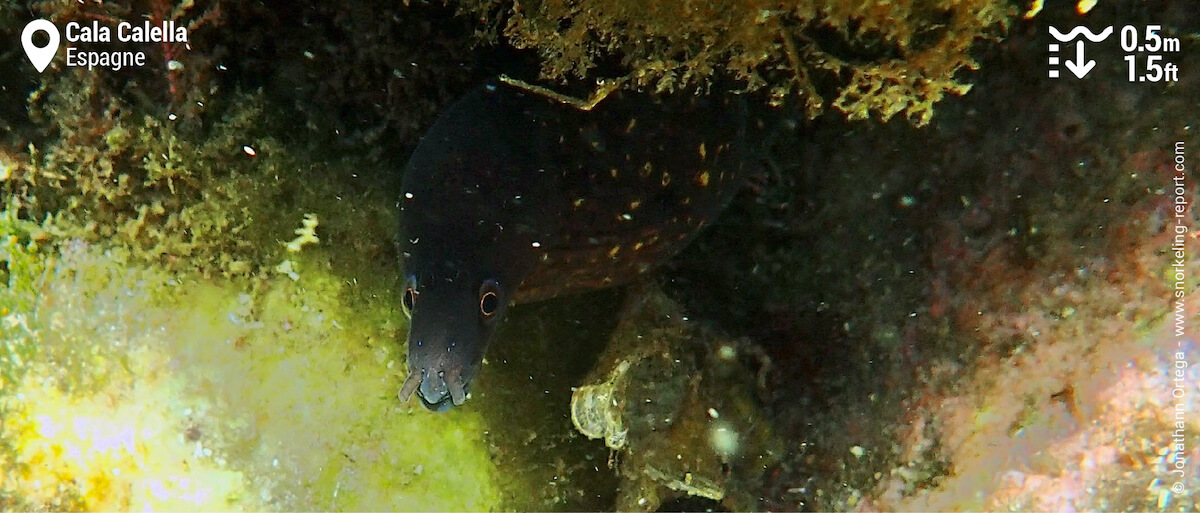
1079, 66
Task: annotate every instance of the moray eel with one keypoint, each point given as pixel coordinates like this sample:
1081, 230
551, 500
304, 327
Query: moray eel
513, 197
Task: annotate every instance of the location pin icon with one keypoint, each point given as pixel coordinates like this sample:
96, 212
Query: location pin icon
40, 57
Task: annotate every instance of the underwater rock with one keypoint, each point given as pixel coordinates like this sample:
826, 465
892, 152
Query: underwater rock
681, 406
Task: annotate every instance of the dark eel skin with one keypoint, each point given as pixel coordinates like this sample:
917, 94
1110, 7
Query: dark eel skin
513, 197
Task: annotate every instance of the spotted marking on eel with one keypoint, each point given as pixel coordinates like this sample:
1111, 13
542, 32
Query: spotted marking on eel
512, 197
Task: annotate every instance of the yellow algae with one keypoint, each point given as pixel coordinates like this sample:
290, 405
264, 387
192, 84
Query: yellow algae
305, 234
123, 457
197, 395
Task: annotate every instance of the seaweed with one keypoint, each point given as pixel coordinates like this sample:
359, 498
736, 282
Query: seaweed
179, 198
862, 59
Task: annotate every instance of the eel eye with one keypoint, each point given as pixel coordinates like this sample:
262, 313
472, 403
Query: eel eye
489, 299
409, 299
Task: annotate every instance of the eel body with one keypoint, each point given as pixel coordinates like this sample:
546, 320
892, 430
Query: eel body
513, 197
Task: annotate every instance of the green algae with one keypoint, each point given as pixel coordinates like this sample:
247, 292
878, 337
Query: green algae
280, 388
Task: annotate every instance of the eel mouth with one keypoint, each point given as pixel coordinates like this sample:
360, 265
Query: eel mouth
438, 392
443, 405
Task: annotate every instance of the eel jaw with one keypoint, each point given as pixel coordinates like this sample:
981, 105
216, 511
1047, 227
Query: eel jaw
451, 381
